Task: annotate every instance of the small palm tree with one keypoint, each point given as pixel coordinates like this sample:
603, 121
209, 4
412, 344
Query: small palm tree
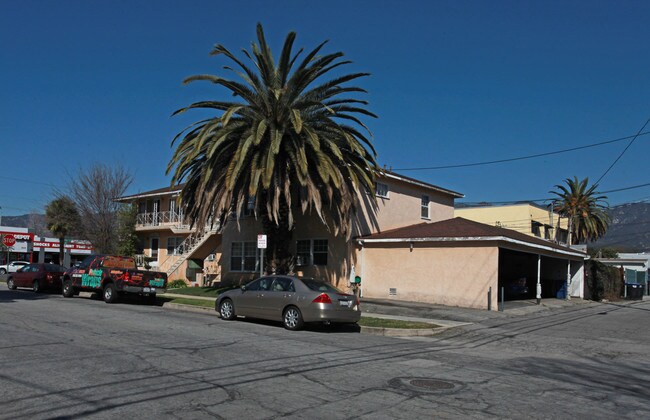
584, 208
62, 218
292, 144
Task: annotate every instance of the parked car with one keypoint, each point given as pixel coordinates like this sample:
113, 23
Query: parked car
12, 267
291, 300
37, 277
113, 275
517, 289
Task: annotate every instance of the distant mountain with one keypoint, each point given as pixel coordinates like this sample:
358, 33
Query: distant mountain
629, 230
33, 221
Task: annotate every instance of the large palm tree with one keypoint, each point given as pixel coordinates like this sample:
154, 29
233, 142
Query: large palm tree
291, 144
584, 208
62, 218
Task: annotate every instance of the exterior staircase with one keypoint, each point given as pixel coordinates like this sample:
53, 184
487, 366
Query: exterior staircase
189, 245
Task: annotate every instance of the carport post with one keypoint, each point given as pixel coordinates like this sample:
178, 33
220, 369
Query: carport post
567, 295
539, 281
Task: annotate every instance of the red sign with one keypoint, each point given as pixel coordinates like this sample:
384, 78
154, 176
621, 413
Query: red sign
9, 240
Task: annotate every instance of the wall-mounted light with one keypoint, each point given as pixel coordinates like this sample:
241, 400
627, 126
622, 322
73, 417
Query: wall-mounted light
411, 246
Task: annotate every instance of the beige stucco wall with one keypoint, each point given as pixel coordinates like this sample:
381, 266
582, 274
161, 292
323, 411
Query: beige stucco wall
516, 217
458, 276
306, 227
401, 208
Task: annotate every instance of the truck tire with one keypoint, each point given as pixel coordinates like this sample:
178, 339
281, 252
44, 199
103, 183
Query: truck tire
110, 293
10, 284
68, 290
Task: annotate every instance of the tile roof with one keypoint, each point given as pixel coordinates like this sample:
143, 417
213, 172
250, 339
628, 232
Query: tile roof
460, 228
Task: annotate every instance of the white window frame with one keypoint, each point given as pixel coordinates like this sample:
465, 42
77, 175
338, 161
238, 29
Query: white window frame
425, 207
243, 256
177, 241
379, 186
311, 252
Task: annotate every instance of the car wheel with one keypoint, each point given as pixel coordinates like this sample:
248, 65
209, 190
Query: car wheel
3, 271
10, 284
68, 290
227, 310
292, 318
151, 298
36, 286
110, 293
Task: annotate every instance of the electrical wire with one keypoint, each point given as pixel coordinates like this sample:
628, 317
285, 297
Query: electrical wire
491, 162
623, 152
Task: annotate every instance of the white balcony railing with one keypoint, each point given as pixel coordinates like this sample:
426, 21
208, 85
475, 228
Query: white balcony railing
161, 218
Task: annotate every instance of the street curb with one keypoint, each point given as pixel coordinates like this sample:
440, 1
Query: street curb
387, 332
403, 332
189, 308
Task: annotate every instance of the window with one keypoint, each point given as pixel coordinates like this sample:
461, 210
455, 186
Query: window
312, 252
424, 213
381, 190
282, 284
320, 251
154, 248
303, 252
172, 244
535, 228
243, 256
249, 207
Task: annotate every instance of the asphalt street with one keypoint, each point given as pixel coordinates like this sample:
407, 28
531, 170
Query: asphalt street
82, 358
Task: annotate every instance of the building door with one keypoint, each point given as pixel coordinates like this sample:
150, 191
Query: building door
154, 248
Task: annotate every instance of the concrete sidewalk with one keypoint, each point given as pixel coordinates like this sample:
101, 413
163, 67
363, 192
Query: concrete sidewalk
445, 316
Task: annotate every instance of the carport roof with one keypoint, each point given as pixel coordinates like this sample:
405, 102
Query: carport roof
460, 229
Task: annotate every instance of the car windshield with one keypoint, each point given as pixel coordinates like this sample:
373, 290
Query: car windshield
320, 286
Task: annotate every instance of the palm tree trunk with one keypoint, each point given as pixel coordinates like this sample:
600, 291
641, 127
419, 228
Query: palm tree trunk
61, 249
279, 237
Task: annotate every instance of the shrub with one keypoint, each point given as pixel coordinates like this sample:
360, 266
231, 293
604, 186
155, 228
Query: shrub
176, 284
602, 282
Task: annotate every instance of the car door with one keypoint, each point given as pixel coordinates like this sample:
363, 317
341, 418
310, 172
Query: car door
281, 293
22, 276
246, 302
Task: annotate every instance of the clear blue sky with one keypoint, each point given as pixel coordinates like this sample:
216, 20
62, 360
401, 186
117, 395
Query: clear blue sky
453, 82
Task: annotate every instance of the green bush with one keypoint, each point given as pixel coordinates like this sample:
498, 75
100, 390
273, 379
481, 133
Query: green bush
176, 284
602, 282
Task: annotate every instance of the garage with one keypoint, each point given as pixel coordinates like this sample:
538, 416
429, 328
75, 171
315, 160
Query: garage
459, 262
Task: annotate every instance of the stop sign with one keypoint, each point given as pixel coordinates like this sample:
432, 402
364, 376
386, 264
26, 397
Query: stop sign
9, 240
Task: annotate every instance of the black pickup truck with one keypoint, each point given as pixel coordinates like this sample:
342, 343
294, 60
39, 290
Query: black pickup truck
112, 275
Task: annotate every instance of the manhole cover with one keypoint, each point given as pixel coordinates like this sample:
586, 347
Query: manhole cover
432, 384
426, 384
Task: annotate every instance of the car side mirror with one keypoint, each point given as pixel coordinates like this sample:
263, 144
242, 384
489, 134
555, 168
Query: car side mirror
243, 288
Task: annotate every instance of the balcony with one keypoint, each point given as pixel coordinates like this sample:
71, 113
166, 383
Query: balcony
161, 219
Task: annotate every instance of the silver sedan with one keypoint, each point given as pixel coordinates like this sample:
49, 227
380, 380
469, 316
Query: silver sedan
292, 300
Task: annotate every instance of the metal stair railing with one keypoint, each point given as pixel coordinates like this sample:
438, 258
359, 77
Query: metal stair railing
188, 246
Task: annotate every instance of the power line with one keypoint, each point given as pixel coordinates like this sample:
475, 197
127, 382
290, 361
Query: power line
491, 162
623, 152
548, 198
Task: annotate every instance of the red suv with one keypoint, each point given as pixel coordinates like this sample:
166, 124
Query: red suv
37, 277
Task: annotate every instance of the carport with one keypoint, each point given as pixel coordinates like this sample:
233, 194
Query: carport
459, 262
552, 270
